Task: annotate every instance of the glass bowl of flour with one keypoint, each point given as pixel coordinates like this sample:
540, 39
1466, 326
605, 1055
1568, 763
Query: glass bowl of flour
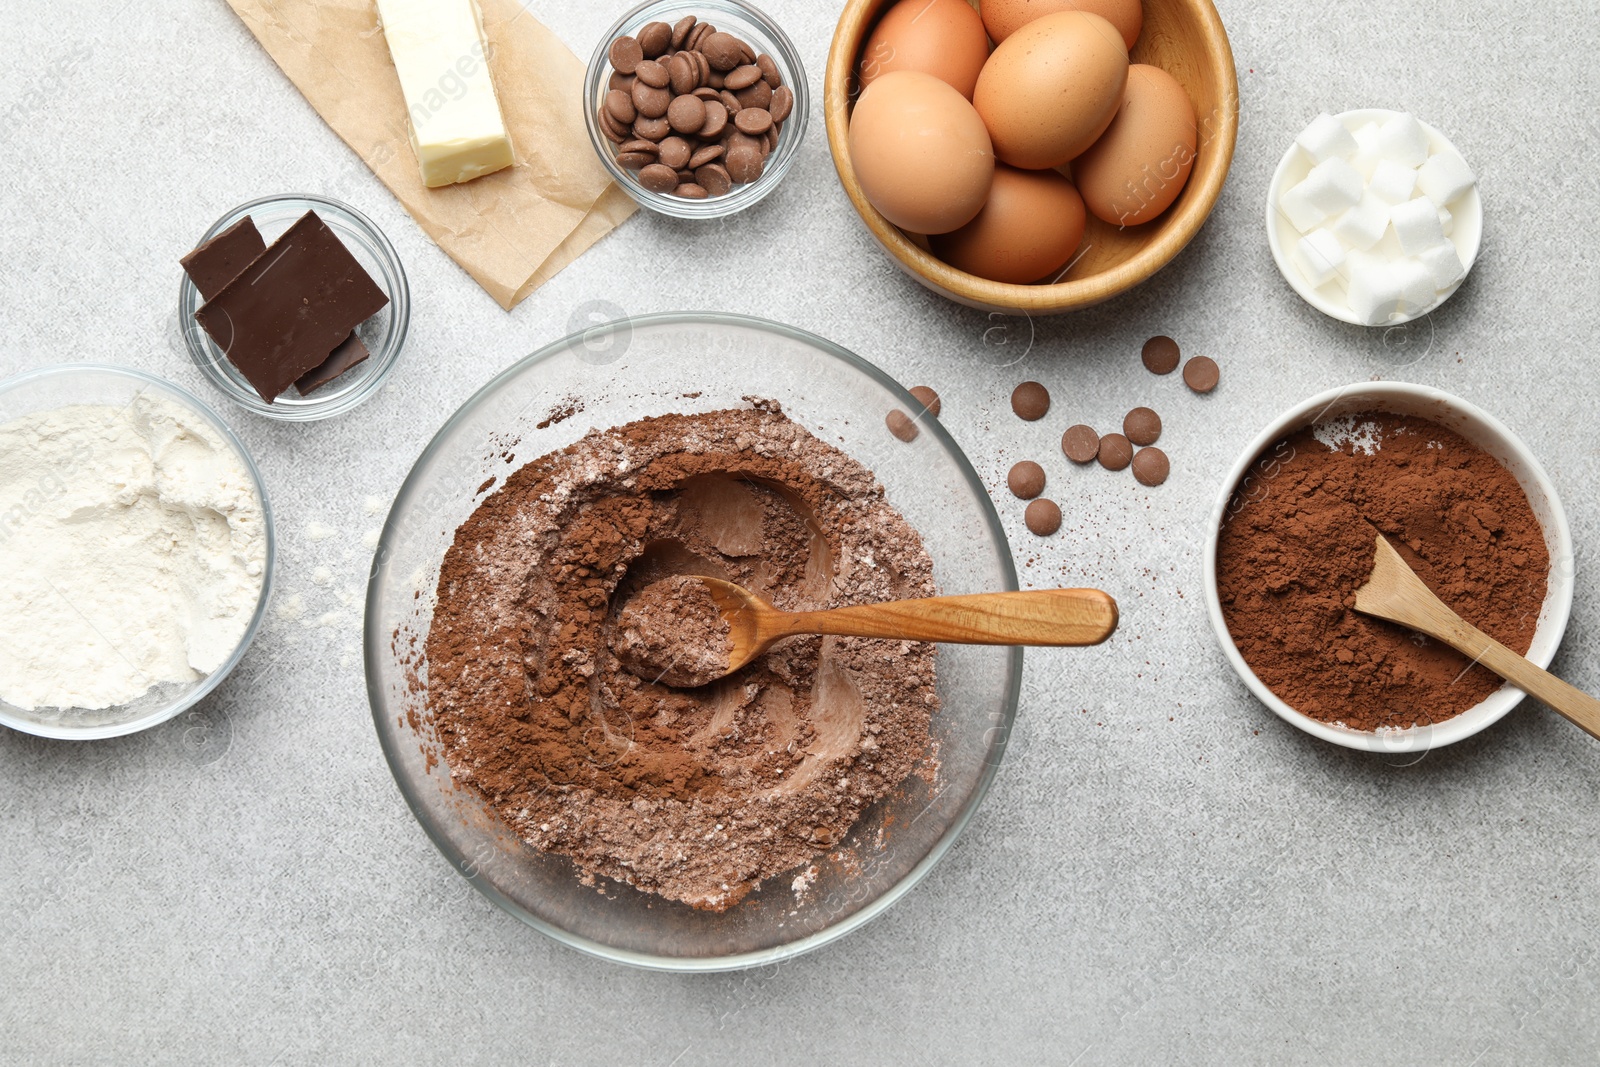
137, 547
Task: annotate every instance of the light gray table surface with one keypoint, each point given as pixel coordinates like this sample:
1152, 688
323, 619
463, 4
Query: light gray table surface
1163, 871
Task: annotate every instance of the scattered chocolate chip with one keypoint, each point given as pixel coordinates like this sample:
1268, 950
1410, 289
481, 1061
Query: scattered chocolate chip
927, 398
1160, 355
1150, 466
1043, 517
1030, 401
1201, 374
901, 426
1141, 426
626, 55
1081, 443
1116, 452
1026, 480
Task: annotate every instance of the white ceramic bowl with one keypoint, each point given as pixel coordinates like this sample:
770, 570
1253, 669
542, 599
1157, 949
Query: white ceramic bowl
1466, 234
1483, 430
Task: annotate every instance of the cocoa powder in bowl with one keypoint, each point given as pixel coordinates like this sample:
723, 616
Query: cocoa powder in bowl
694, 794
1297, 541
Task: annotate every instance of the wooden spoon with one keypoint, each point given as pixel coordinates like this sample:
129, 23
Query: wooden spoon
1394, 592
1053, 617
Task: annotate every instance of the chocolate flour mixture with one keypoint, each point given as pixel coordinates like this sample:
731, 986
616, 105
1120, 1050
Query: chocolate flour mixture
695, 794
1299, 542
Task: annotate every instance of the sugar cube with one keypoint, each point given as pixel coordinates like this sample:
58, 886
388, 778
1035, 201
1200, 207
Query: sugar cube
1444, 177
1403, 140
1362, 226
1366, 154
1375, 288
1417, 291
1319, 255
1443, 263
1326, 138
1391, 182
1332, 186
1416, 224
1447, 221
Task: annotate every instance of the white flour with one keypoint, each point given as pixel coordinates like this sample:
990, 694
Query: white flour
132, 552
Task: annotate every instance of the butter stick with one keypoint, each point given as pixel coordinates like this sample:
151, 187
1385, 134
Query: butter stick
439, 52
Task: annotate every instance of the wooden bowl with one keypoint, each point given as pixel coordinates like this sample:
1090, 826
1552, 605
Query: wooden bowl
1185, 38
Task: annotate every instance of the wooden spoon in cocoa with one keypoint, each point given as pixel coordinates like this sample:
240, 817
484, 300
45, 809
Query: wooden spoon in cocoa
1054, 617
1394, 592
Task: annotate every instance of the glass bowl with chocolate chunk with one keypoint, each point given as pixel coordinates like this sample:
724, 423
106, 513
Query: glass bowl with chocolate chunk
696, 109
677, 826
1293, 536
296, 307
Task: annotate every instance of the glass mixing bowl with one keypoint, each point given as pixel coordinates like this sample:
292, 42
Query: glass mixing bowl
613, 374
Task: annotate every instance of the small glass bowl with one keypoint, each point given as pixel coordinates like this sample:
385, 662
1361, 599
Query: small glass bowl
89, 383
384, 334
755, 29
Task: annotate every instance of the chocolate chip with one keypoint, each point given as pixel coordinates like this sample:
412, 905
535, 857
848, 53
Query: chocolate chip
640, 145
658, 178
686, 114
680, 31
1116, 452
651, 100
769, 70
715, 78
782, 103
626, 55
684, 75
706, 93
1030, 401
675, 153
724, 50
744, 163
614, 130
655, 39
691, 191
1160, 355
705, 154
716, 120
1043, 517
927, 398
1150, 466
757, 95
754, 121
713, 178
1201, 374
653, 74
619, 105
1080, 443
730, 102
635, 160
742, 77
651, 129
1026, 480
619, 80
1141, 426
901, 426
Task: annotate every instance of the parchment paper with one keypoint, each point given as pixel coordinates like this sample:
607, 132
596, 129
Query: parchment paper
512, 230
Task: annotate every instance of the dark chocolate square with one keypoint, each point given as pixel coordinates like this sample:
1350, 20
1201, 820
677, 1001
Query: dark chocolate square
291, 306
220, 260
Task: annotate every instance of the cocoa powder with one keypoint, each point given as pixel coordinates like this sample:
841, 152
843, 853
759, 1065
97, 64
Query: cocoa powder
695, 794
673, 632
1298, 541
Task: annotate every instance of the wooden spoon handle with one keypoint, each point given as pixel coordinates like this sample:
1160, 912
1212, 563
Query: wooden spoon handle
1033, 617
1575, 704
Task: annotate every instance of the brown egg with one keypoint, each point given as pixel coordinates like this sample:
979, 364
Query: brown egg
1139, 166
1029, 229
921, 152
944, 38
1002, 18
1052, 88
